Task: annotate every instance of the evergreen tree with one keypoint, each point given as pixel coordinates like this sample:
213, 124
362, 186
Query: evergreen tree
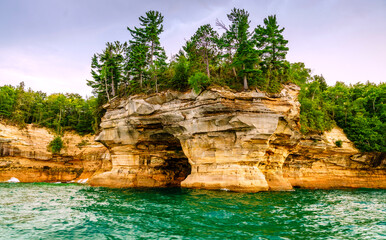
238, 42
272, 49
146, 44
271, 43
136, 62
203, 47
179, 81
107, 70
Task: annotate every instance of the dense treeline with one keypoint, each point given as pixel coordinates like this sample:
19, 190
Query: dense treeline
58, 112
358, 109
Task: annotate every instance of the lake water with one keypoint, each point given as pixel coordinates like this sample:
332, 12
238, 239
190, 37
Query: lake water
70, 211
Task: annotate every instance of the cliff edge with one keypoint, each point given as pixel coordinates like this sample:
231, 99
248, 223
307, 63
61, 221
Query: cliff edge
219, 139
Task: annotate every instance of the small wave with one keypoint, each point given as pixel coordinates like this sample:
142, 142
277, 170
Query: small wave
13, 180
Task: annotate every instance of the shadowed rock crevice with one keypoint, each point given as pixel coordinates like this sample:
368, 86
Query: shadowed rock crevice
146, 157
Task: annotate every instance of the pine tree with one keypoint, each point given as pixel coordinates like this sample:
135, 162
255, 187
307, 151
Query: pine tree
107, 70
202, 46
272, 48
239, 36
146, 44
136, 62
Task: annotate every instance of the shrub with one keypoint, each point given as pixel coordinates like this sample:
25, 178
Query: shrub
339, 143
83, 143
56, 145
199, 81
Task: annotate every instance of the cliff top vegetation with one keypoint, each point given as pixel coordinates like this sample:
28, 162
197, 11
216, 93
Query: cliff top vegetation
237, 56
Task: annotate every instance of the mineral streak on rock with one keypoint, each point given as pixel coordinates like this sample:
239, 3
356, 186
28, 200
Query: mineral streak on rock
246, 142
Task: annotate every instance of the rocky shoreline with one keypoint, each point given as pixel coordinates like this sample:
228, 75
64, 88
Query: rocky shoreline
218, 139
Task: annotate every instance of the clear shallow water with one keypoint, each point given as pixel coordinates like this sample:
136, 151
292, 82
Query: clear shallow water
69, 211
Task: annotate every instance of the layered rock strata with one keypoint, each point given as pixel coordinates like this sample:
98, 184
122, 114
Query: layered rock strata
24, 155
317, 163
219, 139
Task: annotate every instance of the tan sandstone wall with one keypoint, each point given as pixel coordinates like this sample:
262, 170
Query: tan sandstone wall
248, 141
24, 155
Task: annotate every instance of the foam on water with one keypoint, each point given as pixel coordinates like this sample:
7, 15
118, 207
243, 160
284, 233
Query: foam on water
82, 181
13, 180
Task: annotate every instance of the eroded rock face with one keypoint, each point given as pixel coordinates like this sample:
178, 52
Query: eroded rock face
220, 139
317, 163
24, 155
225, 136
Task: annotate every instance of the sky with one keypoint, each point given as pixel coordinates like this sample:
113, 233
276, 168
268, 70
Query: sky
48, 44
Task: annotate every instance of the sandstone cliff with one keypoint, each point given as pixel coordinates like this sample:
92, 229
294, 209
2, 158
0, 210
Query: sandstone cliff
24, 155
219, 139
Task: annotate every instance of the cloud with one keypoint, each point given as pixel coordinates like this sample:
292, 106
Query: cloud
48, 44
43, 71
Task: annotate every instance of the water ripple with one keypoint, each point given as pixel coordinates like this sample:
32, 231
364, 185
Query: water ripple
71, 211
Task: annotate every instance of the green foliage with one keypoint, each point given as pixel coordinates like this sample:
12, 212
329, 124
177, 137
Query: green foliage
272, 50
146, 54
7, 100
82, 144
57, 111
202, 49
271, 43
56, 145
339, 143
240, 58
179, 81
358, 109
314, 111
107, 70
297, 73
239, 38
199, 81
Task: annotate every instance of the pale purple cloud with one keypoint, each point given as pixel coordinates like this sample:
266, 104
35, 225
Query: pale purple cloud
48, 44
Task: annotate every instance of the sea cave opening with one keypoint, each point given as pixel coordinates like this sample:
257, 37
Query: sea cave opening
175, 164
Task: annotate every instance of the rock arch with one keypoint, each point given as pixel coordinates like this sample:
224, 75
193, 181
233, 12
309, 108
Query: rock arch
224, 135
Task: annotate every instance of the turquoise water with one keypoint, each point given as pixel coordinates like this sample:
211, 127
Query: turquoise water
69, 211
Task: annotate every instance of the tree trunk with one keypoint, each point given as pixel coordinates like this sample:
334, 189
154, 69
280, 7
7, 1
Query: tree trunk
156, 84
207, 66
151, 53
245, 79
140, 79
313, 94
234, 71
60, 119
268, 77
112, 84
374, 103
107, 91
